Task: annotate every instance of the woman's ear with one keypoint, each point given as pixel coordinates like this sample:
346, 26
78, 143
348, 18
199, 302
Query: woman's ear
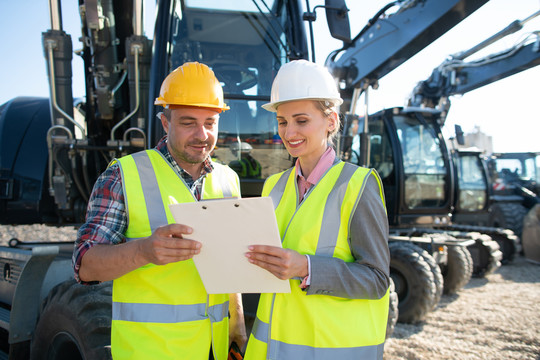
332, 122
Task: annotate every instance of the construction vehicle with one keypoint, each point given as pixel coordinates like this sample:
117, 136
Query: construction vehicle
410, 155
518, 169
531, 235
418, 174
516, 178
457, 76
62, 145
473, 210
516, 187
430, 105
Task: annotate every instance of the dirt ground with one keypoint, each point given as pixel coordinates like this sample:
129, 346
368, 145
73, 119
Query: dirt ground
497, 317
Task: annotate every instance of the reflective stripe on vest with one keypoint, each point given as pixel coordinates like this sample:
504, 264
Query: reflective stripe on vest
260, 332
152, 194
166, 314
298, 326
166, 304
331, 218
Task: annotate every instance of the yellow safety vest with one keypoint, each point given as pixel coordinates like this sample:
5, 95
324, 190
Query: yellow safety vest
248, 170
163, 311
298, 326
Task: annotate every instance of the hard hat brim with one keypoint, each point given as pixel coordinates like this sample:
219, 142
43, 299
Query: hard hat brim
206, 106
272, 106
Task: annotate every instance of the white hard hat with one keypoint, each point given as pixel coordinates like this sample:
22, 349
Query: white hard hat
244, 147
302, 80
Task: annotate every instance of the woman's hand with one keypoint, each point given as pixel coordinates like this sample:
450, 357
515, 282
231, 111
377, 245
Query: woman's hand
283, 263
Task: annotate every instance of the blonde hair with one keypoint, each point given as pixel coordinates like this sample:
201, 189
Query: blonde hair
328, 108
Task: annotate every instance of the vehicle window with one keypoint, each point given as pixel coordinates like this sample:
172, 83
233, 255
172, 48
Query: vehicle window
380, 154
423, 164
245, 43
472, 185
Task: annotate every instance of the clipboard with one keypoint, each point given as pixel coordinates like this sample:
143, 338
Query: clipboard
226, 227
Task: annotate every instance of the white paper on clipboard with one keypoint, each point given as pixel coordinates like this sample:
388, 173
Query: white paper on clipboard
226, 227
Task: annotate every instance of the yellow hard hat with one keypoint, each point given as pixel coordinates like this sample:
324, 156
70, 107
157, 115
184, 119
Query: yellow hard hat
192, 84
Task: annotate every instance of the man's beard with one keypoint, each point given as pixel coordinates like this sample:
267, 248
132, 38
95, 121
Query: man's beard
197, 159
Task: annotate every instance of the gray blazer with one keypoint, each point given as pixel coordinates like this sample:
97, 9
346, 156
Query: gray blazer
368, 276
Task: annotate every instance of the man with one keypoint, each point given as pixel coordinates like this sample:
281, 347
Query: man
245, 165
160, 307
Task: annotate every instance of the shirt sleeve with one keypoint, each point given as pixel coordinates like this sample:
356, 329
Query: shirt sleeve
106, 219
368, 276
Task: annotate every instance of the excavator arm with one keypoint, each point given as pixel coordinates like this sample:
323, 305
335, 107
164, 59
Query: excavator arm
456, 76
388, 41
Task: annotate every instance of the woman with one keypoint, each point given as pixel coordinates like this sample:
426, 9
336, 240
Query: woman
334, 231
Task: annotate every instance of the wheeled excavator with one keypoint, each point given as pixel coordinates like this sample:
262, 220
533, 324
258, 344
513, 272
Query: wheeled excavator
497, 213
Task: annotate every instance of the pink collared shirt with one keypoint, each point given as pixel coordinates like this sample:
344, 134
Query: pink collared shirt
325, 162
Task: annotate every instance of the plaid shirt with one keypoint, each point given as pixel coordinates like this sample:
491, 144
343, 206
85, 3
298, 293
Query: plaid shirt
106, 217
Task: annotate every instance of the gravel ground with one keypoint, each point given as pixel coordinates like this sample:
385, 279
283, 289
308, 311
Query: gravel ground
37, 232
497, 317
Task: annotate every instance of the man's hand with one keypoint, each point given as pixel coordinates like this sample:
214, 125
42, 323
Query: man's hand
237, 325
283, 263
167, 245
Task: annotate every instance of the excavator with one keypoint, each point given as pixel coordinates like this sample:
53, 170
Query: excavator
503, 204
474, 203
516, 177
406, 146
501, 209
63, 144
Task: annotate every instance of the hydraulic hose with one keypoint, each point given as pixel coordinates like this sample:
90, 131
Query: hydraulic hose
51, 155
50, 44
136, 51
76, 178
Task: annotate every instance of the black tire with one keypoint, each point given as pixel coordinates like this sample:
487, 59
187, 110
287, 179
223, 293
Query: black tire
530, 241
508, 216
485, 254
508, 243
414, 282
495, 257
458, 270
437, 278
393, 311
435, 269
74, 323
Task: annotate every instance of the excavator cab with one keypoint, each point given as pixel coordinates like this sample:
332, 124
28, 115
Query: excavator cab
244, 43
517, 169
472, 186
411, 157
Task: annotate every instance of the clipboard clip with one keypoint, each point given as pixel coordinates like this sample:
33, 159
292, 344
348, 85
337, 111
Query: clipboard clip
173, 201
204, 207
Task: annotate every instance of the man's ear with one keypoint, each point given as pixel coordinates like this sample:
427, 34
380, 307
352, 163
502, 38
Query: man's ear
164, 123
